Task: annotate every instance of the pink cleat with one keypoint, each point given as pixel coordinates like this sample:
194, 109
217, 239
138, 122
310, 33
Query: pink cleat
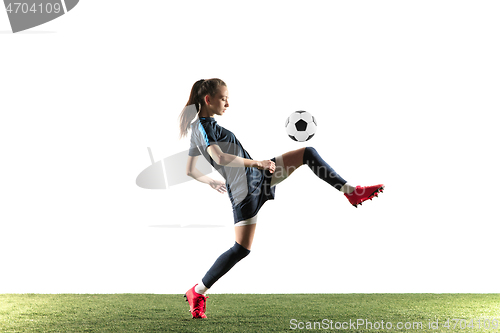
197, 303
363, 193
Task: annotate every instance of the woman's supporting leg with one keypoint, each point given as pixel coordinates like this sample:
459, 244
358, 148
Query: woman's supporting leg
244, 235
241, 248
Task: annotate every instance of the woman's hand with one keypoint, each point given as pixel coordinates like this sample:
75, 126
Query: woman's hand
218, 185
267, 165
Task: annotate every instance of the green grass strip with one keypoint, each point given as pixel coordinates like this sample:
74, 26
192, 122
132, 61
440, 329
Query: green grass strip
250, 313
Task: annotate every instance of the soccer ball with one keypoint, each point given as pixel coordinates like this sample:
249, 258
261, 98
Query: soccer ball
301, 126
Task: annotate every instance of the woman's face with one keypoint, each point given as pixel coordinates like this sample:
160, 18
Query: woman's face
219, 103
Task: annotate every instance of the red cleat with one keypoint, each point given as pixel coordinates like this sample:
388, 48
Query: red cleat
197, 303
363, 193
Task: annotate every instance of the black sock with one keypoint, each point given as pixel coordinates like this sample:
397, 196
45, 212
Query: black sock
224, 263
322, 169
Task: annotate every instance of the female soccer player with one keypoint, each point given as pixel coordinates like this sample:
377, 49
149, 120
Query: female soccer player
249, 183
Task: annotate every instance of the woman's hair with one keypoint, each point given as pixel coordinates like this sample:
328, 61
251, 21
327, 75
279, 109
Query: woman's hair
200, 89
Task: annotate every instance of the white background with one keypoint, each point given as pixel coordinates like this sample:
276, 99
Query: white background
405, 94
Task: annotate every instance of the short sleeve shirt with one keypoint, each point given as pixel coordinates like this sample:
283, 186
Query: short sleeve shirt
240, 181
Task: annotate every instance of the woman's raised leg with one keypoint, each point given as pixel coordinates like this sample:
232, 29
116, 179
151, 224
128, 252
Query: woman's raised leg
291, 161
286, 164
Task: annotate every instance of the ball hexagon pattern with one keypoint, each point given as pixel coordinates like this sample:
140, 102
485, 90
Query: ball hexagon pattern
301, 126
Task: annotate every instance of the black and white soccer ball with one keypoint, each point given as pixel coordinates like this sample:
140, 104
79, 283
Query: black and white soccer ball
301, 126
